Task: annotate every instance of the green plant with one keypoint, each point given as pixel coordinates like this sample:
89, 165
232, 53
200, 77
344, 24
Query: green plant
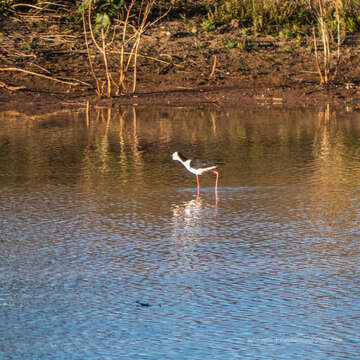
5, 7
110, 8
231, 44
244, 32
208, 24
275, 16
283, 34
352, 24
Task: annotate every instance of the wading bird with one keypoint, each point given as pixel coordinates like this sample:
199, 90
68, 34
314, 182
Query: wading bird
197, 167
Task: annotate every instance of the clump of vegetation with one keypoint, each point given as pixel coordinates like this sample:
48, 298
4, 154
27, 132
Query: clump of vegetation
117, 23
262, 16
329, 28
278, 16
5, 7
327, 20
116, 27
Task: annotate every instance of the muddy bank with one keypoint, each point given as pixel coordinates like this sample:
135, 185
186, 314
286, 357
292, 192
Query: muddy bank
178, 67
29, 101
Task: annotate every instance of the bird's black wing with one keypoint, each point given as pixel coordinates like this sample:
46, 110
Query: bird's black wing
200, 164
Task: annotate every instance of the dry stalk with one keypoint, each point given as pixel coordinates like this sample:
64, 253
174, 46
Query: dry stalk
74, 82
107, 72
130, 38
325, 68
140, 31
98, 86
135, 39
88, 114
213, 68
339, 41
147, 57
11, 87
102, 50
317, 57
325, 41
121, 84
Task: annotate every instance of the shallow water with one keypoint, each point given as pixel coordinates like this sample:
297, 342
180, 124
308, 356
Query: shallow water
107, 253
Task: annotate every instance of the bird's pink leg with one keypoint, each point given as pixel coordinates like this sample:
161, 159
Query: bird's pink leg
217, 179
198, 185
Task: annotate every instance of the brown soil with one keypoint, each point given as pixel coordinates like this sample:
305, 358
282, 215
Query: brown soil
175, 70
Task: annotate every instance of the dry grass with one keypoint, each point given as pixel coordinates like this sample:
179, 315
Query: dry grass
70, 82
130, 36
328, 64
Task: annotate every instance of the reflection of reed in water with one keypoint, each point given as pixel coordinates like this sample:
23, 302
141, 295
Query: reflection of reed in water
135, 145
334, 171
103, 154
131, 138
96, 153
122, 141
104, 143
333, 164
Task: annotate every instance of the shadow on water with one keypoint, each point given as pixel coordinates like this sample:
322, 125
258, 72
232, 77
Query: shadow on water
106, 251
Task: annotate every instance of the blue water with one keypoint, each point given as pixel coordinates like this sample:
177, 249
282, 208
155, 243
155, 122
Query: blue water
107, 253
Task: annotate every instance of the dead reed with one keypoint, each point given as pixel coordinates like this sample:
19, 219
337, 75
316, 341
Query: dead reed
331, 36
128, 32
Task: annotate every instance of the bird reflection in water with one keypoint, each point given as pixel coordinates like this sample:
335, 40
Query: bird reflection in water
189, 217
186, 231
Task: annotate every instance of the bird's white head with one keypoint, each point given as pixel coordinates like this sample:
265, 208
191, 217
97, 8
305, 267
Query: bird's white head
179, 157
175, 156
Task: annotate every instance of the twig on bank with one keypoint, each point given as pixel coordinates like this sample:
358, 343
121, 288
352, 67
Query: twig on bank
88, 113
317, 57
130, 39
98, 86
326, 69
75, 82
11, 87
146, 57
102, 50
338, 43
38, 7
42, 68
213, 68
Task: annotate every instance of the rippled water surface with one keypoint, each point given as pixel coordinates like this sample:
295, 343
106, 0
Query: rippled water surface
107, 253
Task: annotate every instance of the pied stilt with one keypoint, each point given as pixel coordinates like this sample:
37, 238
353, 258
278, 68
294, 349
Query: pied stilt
197, 167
